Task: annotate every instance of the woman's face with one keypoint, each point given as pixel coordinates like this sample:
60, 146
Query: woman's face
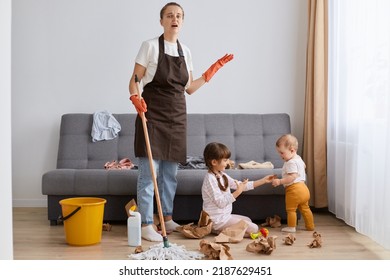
172, 19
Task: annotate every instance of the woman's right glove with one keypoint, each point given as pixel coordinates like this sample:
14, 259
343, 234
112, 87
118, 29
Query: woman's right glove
139, 104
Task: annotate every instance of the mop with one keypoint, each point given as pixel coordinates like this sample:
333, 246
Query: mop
163, 251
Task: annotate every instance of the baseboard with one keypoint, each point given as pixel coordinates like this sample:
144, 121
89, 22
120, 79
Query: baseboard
29, 202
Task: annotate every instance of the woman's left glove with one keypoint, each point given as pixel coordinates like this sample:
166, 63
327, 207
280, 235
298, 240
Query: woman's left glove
139, 104
216, 66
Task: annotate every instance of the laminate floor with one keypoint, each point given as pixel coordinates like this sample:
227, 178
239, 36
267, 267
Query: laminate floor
35, 239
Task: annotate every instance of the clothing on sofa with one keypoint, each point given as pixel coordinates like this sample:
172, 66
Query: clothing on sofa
193, 162
105, 126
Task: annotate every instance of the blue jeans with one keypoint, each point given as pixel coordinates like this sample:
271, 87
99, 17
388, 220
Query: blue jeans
166, 172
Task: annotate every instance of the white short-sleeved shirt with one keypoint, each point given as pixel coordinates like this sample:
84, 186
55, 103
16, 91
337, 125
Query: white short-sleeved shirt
148, 57
295, 165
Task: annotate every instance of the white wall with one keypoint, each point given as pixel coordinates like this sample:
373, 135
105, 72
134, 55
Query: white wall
78, 55
6, 239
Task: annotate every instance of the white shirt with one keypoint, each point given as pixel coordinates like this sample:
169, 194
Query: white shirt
218, 203
148, 57
295, 165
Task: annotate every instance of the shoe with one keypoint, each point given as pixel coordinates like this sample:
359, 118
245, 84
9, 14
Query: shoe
289, 229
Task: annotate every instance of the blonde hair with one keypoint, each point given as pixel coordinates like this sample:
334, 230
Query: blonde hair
288, 141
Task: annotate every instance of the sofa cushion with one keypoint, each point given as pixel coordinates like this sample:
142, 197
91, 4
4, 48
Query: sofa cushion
248, 136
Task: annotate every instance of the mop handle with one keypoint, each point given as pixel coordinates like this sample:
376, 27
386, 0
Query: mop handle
151, 166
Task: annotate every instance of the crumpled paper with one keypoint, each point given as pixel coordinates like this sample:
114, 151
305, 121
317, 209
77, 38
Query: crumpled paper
200, 230
289, 239
232, 234
273, 222
262, 245
215, 251
317, 242
256, 165
230, 164
106, 227
129, 205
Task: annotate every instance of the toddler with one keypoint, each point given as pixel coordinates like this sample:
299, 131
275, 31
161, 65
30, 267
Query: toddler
293, 179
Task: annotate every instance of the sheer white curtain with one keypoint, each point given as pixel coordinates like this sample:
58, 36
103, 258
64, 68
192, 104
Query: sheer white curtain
359, 116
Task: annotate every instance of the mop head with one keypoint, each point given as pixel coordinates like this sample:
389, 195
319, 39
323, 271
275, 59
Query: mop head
173, 252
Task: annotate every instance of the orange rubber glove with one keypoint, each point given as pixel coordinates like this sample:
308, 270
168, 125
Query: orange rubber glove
139, 104
216, 66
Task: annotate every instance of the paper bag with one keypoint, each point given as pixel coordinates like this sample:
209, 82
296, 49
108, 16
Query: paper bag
129, 205
262, 245
232, 234
214, 251
200, 230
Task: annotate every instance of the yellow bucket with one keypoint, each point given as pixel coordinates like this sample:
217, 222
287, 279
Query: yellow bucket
83, 220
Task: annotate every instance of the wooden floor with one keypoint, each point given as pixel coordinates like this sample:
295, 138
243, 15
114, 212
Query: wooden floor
35, 239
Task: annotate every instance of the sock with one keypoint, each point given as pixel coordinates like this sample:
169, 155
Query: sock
289, 229
171, 225
150, 234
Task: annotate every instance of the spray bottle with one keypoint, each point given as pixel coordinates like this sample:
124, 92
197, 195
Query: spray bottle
134, 227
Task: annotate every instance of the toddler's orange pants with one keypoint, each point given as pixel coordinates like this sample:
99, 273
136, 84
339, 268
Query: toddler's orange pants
297, 197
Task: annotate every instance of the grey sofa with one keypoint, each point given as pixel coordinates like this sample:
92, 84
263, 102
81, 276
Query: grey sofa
80, 164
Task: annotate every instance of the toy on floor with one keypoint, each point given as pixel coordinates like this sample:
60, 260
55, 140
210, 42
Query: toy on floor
262, 232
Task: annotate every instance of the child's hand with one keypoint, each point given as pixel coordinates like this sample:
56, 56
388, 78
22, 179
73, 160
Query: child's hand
268, 179
276, 182
241, 186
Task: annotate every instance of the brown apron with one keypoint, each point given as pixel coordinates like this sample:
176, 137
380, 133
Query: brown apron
167, 112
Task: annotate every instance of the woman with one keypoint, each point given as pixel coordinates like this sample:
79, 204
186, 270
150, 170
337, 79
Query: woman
165, 68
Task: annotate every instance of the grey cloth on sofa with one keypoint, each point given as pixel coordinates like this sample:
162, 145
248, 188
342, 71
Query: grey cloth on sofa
105, 126
193, 163
80, 164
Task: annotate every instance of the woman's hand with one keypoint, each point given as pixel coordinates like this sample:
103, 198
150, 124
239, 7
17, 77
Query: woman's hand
216, 66
139, 104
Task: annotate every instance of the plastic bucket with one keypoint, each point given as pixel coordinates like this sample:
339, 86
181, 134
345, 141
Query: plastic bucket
83, 220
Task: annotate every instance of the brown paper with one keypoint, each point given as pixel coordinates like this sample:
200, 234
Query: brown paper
262, 245
129, 205
273, 222
138, 250
214, 251
317, 242
200, 230
230, 164
107, 227
289, 239
232, 234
